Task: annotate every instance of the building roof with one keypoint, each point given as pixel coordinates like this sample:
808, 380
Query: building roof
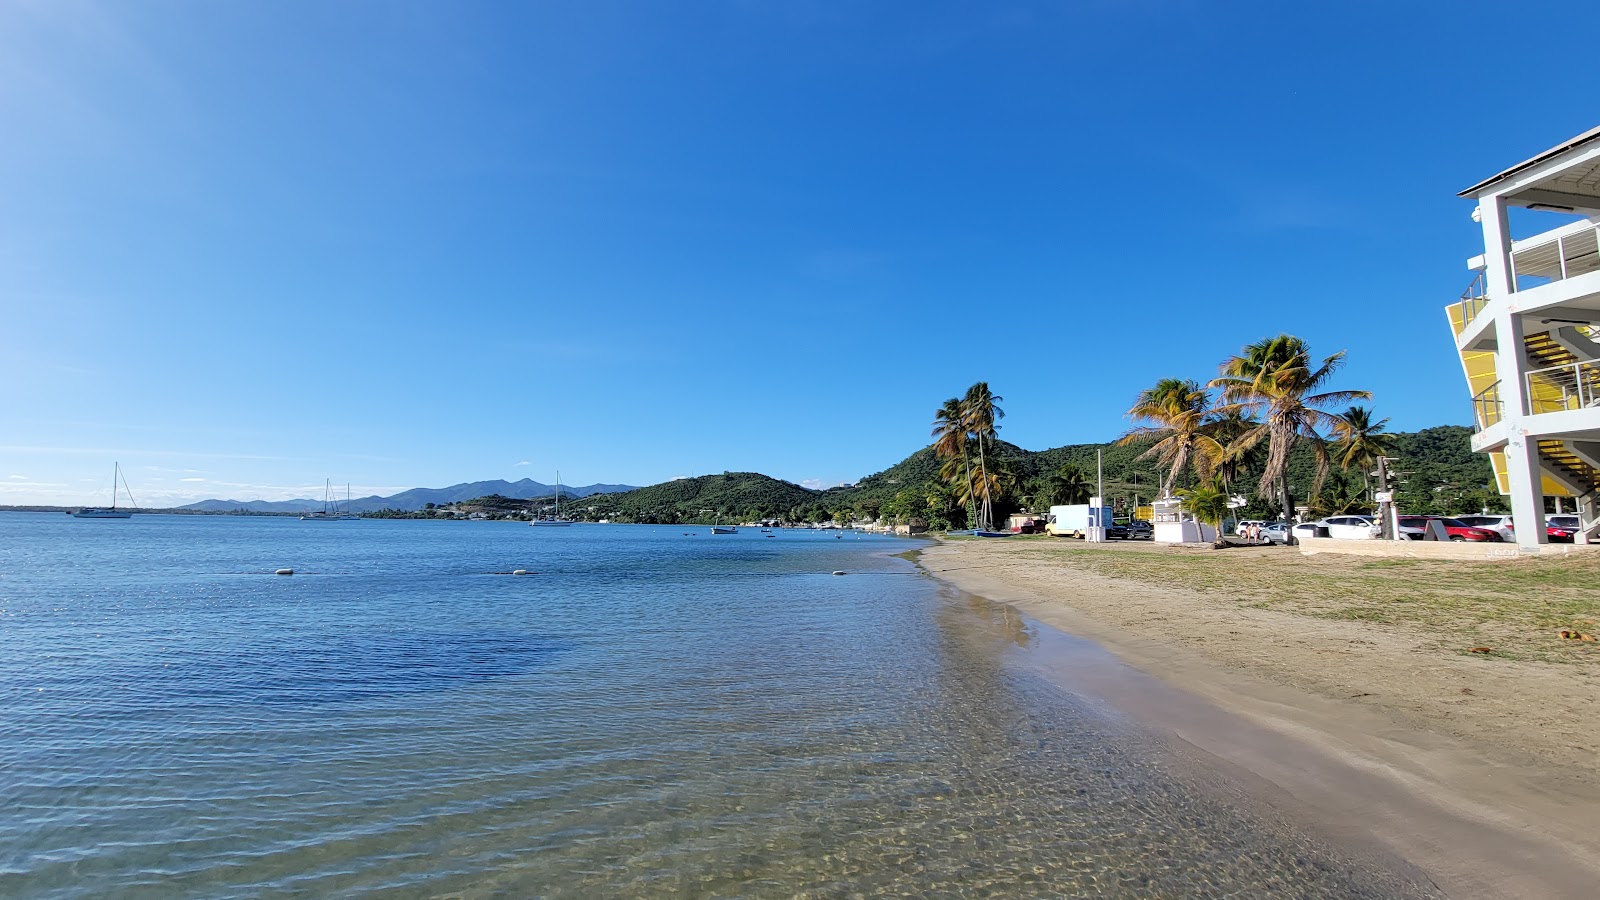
1564, 146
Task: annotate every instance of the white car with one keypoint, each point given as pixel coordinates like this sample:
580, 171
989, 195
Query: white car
1498, 524
1348, 528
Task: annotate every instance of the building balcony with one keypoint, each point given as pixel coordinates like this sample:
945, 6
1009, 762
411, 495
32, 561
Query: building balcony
1563, 388
1557, 255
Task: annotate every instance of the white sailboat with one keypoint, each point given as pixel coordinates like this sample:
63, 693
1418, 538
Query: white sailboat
330, 511
553, 521
111, 512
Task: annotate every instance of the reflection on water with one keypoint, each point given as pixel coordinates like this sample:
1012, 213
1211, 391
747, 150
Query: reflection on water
652, 714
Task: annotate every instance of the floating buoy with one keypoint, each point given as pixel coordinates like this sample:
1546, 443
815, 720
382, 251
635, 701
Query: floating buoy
519, 571
839, 573
284, 572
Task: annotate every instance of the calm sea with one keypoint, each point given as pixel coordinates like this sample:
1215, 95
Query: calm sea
653, 711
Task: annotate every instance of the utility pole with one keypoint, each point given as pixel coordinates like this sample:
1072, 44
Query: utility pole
1385, 499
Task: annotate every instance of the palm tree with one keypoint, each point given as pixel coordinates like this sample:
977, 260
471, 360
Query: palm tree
1070, 484
1177, 413
982, 409
950, 434
1207, 502
1227, 426
1361, 441
1274, 380
1337, 500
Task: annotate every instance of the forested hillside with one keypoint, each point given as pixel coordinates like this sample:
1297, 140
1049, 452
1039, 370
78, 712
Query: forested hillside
1437, 472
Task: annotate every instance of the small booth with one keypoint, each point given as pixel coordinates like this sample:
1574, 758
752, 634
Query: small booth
1174, 526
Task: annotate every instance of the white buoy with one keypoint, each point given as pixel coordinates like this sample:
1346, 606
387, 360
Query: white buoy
284, 572
839, 573
520, 572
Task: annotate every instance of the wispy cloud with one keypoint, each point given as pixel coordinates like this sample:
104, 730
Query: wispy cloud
191, 479
18, 477
524, 462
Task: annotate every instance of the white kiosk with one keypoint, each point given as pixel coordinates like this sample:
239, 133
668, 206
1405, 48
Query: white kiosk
1174, 526
1099, 521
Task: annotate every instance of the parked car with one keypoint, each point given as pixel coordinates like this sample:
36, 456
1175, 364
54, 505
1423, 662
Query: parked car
1275, 533
1140, 530
1350, 528
1305, 530
1501, 525
1455, 529
1560, 528
1239, 526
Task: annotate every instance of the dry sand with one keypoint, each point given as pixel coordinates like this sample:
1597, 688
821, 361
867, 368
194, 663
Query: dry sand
1346, 688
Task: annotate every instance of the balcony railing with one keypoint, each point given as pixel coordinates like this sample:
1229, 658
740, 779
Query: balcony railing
1574, 385
1567, 254
1473, 300
1487, 407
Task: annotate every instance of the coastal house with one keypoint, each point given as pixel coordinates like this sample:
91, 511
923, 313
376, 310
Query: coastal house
1526, 330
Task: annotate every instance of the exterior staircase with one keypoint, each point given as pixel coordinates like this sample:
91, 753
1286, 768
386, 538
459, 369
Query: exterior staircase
1560, 381
1577, 472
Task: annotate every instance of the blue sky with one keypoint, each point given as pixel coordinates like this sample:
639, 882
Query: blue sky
245, 247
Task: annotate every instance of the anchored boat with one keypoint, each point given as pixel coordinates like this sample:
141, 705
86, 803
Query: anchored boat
111, 512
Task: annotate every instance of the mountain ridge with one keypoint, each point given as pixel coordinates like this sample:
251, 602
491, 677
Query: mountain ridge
415, 498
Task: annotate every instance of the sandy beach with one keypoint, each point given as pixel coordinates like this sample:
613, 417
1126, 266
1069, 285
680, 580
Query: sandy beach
1348, 689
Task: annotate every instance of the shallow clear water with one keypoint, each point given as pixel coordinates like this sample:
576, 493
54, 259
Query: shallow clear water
654, 711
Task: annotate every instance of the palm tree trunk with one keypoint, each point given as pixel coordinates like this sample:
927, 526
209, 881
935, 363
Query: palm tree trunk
1288, 508
966, 475
983, 476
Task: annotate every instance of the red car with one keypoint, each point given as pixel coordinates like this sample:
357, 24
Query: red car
1457, 530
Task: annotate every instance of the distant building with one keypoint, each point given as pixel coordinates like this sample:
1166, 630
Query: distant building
1526, 331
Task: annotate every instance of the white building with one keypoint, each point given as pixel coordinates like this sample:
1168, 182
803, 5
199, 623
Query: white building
1527, 329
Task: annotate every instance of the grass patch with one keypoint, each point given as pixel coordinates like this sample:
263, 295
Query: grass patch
1516, 606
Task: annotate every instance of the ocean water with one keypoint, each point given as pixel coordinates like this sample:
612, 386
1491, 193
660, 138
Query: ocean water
653, 711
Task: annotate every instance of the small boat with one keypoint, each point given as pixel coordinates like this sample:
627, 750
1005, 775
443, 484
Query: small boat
110, 512
983, 533
553, 521
724, 529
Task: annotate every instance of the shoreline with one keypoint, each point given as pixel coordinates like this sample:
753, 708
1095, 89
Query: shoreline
1480, 818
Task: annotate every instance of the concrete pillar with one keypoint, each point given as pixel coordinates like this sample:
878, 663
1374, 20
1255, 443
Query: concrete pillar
1527, 490
1498, 280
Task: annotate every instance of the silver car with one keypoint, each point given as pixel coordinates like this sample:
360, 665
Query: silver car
1498, 524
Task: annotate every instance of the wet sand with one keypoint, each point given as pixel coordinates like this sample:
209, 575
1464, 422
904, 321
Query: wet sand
1481, 775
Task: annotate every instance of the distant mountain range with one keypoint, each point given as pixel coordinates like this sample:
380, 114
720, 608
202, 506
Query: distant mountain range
416, 498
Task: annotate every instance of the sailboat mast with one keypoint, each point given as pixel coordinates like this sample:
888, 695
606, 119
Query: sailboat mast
558, 493
116, 472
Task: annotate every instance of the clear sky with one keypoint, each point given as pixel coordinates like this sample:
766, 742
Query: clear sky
245, 247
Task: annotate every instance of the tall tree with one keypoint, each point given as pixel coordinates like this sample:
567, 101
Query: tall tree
1360, 441
950, 433
1070, 484
1176, 415
1227, 426
1274, 381
982, 409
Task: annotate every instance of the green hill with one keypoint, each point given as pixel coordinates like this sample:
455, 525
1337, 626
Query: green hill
730, 497
1440, 474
